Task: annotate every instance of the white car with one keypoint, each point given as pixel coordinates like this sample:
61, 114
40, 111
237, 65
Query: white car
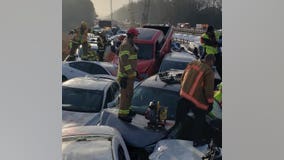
73, 69
93, 143
84, 98
183, 150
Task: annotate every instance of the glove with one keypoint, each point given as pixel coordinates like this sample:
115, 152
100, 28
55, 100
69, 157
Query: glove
210, 108
123, 82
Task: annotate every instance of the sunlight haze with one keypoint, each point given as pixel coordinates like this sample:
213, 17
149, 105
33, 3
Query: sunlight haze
102, 7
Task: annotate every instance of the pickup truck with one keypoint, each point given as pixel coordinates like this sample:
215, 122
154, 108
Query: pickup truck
153, 42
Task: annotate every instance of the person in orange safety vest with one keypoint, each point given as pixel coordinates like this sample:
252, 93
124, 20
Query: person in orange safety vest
197, 89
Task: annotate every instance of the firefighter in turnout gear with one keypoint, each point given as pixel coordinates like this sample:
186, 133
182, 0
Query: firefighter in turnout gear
91, 55
127, 73
209, 41
80, 36
197, 89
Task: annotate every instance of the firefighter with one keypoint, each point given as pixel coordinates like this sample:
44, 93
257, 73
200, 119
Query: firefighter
101, 45
80, 36
197, 88
127, 73
209, 42
91, 55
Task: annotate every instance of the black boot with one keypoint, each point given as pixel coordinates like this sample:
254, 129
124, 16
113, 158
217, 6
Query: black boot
127, 118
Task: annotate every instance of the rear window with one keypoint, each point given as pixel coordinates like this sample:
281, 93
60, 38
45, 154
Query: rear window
147, 34
145, 51
167, 65
112, 70
81, 100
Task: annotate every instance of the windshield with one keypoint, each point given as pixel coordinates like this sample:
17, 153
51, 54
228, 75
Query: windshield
143, 95
81, 100
145, 51
167, 65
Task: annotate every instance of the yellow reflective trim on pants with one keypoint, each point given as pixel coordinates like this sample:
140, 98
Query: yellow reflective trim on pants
122, 53
133, 57
127, 67
119, 74
123, 111
132, 75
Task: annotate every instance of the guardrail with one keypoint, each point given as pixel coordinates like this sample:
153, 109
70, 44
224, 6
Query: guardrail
193, 31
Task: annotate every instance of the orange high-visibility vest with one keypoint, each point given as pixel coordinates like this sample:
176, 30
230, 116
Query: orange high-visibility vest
197, 84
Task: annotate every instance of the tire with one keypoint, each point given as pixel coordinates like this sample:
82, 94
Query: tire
64, 79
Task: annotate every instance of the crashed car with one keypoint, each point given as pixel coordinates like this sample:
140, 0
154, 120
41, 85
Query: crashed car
137, 134
82, 68
157, 88
176, 60
93, 142
184, 150
83, 99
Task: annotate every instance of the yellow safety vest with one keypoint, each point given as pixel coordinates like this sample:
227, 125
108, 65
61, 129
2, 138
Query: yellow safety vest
208, 49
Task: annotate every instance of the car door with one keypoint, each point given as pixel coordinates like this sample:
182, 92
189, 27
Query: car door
78, 69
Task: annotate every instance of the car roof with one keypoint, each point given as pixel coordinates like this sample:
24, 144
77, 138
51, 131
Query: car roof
89, 130
104, 64
155, 82
179, 56
147, 33
88, 82
99, 148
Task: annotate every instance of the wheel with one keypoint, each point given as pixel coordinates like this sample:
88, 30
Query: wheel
64, 79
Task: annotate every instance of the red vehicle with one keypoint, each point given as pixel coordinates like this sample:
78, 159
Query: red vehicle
153, 42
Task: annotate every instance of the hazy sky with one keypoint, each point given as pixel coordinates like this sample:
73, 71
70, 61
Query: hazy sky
102, 7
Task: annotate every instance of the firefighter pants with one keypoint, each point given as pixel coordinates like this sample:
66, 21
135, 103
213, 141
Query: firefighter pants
197, 128
126, 97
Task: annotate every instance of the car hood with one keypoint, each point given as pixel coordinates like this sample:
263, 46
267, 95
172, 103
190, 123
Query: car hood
72, 119
177, 149
132, 132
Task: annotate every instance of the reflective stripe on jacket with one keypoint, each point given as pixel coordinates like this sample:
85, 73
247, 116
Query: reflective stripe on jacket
218, 96
197, 84
127, 60
209, 49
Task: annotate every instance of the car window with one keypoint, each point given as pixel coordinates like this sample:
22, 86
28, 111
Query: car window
109, 96
167, 65
145, 51
82, 66
81, 100
143, 95
112, 93
115, 88
121, 155
97, 69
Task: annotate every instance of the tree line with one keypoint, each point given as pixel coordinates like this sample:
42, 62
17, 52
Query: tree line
174, 11
74, 11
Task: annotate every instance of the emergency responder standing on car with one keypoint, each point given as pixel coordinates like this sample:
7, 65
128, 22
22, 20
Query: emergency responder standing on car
197, 88
80, 36
127, 73
210, 45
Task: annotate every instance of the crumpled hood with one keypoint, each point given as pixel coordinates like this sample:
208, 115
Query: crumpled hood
72, 119
177, 149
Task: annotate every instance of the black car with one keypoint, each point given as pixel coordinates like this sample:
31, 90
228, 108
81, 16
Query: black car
162, 89
176, 60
